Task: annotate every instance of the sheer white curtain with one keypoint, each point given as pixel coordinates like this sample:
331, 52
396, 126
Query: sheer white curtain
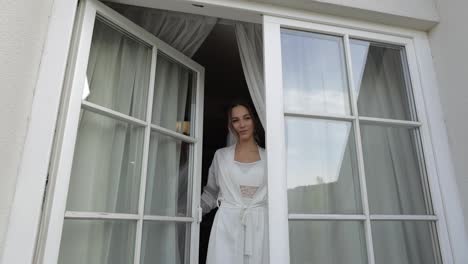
393, 172
167, 168
250, 43
183, 31
166, 182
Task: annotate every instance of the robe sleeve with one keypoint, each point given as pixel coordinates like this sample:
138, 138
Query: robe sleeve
210, 191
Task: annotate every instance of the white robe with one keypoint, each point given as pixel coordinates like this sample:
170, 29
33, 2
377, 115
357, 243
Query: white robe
240, 231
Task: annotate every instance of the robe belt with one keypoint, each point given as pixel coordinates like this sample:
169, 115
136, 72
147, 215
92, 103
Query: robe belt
245, 218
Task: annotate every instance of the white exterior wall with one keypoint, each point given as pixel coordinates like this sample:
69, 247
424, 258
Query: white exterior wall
23, 26
421, 9
449, 42
419, 14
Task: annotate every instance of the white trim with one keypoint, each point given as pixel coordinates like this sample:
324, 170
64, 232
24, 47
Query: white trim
359, 154
100, 216
275, 145
169, 218
388, 122
320, 116
453, 237
196, 155
351, 217
173, 134
92, 107
73, 88
341, 217
25, 215
144, 166
403, 218
446, 247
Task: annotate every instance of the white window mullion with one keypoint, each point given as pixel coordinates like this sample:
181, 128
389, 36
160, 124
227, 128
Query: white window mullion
275, 144
403, 217
360, 155
86, 105
100, 216
320, 116
299, 217
172, 133
168, 218
390, 122
144, 166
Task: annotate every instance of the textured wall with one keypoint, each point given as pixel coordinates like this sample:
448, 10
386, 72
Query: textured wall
23, 26
419, 14
449, 43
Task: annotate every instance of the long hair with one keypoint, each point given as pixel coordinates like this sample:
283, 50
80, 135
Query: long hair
253, 115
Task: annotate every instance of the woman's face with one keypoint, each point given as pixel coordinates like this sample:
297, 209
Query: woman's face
242, 122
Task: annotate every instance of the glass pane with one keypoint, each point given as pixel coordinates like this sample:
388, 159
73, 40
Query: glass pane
395, 180
322, 169
168, 177
172, 100
118, 71
379, 80
106, 168
327, 242
409, 242
314, 73
97, 242
165, 242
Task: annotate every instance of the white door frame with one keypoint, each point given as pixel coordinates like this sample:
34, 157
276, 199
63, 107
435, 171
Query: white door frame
26, 209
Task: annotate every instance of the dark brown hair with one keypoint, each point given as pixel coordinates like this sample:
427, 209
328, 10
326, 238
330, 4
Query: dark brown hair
253, 115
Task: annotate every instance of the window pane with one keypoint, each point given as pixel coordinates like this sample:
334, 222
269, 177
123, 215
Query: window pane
321, 167
379, 80
327, 242
314, 73
165, 242
395, 180
172, 95
118, 71
106, 166
168, 179
408, 242
97, 242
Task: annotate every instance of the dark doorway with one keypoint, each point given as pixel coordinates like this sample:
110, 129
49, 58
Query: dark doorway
224, 82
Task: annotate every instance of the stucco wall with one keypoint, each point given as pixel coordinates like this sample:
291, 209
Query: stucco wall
23, 26
419, 14
449, 43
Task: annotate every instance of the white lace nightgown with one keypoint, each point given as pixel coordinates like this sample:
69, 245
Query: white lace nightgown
239, 232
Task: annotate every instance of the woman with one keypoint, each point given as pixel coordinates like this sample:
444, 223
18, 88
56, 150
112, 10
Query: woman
237, 185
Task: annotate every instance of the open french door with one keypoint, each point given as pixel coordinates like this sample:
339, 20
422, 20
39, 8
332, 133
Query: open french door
128, 167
